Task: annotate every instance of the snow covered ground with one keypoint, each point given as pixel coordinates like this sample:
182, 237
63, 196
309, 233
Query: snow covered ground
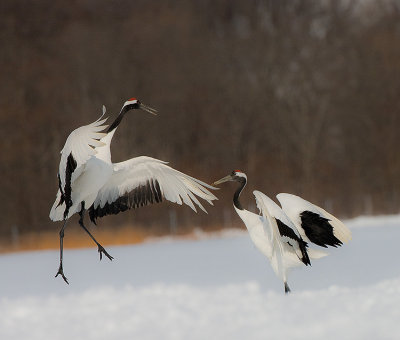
212, 288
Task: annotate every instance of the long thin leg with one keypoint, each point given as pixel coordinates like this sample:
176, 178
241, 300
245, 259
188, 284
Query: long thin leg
60, 268
101, 250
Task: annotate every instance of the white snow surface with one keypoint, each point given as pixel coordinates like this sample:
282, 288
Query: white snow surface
217, 287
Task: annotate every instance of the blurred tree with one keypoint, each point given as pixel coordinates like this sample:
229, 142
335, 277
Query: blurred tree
302, 95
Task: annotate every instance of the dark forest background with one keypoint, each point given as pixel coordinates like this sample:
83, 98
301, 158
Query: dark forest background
304, 96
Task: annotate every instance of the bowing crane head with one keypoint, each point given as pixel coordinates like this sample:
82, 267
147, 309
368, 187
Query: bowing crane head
133, 103
234, 176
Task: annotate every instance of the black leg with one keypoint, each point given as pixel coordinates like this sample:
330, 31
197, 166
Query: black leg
60, 269
101, 250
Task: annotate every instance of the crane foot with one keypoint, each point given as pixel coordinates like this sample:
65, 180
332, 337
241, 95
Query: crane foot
61, 272
102, 251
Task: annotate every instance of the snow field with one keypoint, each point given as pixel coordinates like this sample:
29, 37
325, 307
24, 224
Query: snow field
227, 312
218, 288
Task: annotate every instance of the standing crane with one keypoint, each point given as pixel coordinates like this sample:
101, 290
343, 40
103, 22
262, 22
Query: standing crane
283, 234
87, 179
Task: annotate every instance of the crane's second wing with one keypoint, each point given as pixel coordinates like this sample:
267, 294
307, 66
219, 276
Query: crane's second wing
79, 147
313, 222
284, 228
144, 180
283, 256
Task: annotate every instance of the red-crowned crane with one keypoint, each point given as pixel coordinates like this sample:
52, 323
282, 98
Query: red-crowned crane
89, 180
283, 234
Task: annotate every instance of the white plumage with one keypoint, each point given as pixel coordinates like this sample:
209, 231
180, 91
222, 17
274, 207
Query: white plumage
272, 212
282, 235
82, 143
175, 186
89, 180
83, 168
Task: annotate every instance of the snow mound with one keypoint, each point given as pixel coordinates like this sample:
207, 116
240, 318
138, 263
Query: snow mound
235, 311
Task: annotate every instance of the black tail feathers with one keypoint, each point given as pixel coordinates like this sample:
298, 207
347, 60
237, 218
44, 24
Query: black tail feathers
305, 258
287, 289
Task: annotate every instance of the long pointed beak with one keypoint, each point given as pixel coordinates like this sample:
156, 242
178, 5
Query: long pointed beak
148, 109
222, 180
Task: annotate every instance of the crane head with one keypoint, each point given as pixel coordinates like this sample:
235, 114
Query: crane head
134, 103
234, 176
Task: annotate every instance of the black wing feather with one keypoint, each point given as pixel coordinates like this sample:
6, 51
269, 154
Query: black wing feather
284, 230
144, 194
66, 193
319, 230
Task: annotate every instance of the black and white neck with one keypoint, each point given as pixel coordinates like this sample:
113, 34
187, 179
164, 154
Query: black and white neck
130, 104
241, 178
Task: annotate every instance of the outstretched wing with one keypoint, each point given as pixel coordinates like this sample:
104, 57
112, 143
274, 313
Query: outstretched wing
78, 148
285, 232
144, 180
313, 222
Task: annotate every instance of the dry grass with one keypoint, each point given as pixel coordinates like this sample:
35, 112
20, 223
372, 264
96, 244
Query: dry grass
74, 238
77, 238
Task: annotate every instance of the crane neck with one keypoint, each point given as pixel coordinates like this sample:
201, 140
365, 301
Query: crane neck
118, 120
239, 190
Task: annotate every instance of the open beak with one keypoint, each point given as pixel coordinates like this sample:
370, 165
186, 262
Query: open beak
224, 179
148, 109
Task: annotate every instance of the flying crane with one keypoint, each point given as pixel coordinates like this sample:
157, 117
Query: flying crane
283, 234
88, 180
